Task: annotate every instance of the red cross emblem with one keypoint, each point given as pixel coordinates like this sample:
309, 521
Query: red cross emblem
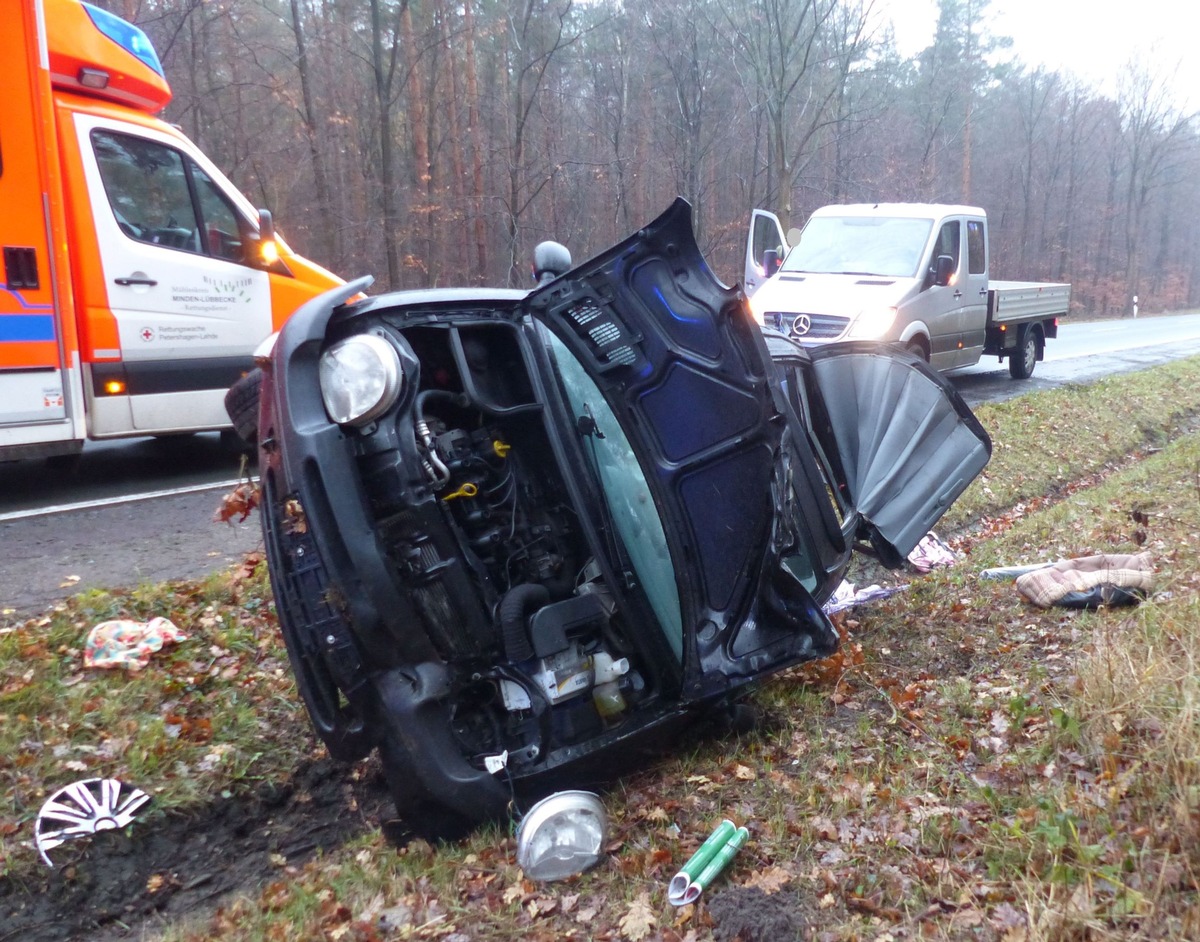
147, 334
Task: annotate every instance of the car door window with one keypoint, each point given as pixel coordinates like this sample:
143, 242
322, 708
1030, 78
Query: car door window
948, 242
976, 247
222, 226
161, 197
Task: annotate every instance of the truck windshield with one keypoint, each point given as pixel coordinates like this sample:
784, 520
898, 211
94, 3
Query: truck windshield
861, 245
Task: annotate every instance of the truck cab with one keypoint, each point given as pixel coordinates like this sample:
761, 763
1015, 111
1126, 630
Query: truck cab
137, 280
909, 273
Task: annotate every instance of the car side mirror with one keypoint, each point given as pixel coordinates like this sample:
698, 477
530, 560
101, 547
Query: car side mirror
550, 260
943, 270
771, 262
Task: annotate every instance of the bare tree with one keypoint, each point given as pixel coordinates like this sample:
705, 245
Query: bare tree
1152, 132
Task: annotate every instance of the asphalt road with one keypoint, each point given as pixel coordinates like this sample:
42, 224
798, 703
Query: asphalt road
143, 511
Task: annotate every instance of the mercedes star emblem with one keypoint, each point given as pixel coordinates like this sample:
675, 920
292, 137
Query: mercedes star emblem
801, 325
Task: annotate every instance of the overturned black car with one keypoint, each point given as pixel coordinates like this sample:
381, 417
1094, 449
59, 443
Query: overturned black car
515, 536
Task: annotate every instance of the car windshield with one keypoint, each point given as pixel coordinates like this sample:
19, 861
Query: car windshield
861, 245
630, 503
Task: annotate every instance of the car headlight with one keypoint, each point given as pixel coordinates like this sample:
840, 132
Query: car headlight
872, 323
562, 835
360, 379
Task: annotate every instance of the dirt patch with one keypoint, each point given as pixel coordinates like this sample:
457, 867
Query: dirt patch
122, 885
747, 914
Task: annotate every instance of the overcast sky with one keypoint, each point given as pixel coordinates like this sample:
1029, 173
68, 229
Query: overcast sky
1091, 38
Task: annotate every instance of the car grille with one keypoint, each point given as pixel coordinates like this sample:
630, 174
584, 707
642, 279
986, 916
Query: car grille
821, 326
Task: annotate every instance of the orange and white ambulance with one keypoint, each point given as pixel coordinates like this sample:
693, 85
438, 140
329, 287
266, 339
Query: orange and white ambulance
137, 281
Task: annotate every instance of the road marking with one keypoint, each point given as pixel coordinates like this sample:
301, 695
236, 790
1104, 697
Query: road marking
113, 501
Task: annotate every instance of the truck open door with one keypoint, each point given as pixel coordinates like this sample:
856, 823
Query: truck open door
766, 234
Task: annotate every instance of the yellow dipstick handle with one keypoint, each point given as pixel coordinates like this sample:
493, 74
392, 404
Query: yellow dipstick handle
467, 490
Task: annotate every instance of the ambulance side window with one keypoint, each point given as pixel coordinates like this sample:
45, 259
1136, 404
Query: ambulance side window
148, 190
161, 197
222, 225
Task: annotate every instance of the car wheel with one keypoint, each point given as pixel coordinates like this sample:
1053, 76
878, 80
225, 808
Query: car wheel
241, 404
1022, 361
917, 349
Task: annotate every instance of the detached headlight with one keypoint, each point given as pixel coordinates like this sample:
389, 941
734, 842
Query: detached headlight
873, 323
562, 835
360, 379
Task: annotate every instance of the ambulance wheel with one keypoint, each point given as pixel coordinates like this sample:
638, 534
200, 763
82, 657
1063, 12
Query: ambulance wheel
241, 403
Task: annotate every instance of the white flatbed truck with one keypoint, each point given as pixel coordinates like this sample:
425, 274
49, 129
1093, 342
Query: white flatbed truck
915, 274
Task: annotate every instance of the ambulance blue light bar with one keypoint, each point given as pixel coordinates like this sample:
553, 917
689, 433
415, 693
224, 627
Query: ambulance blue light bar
125, 35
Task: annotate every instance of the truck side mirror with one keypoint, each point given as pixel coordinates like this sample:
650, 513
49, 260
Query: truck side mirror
771, 262
943, 270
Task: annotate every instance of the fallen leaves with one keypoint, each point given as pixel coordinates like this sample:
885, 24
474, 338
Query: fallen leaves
639, 919
771, 880
238, 504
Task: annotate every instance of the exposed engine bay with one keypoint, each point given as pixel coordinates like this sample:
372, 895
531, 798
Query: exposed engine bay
492, 554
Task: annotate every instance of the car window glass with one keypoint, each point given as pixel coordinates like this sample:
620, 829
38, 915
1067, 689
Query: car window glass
221, 222
627, 493
861, 245
766, 236
147, 188
976, 247
948, 242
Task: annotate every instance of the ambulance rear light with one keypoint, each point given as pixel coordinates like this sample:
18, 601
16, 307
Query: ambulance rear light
114, 387
125, 35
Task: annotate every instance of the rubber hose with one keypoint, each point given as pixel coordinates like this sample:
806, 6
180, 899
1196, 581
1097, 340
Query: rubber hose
513, 607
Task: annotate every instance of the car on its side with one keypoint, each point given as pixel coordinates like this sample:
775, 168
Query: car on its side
517, 537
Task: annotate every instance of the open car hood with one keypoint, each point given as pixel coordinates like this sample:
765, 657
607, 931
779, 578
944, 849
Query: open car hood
685, 372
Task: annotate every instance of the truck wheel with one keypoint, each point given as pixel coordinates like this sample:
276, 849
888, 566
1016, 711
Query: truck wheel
1022, 360
241, 404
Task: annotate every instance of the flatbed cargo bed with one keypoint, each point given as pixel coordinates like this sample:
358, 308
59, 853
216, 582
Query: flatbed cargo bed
1012, 302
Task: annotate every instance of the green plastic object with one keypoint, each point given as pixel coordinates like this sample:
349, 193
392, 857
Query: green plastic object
695, 876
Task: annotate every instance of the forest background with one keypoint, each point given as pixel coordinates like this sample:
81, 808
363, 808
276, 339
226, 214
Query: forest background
434, 142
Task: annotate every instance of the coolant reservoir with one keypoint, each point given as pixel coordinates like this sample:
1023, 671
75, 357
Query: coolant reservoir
609, 700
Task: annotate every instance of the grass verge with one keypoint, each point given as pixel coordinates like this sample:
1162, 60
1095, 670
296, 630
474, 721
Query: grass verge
967, 767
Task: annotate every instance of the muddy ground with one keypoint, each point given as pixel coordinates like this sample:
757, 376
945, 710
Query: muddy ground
126, 884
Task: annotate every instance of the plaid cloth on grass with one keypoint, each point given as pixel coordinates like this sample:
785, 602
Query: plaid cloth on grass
1050, 586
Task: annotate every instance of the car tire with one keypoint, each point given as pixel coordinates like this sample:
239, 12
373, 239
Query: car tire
1022, 361
917, 349
241, 404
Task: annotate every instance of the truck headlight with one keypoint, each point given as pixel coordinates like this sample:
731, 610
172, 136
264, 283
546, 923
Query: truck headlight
872, 323
360, 379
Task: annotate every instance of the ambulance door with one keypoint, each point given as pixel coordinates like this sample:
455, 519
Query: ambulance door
175, 249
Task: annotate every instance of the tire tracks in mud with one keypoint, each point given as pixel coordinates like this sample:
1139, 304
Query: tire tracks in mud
178, 867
